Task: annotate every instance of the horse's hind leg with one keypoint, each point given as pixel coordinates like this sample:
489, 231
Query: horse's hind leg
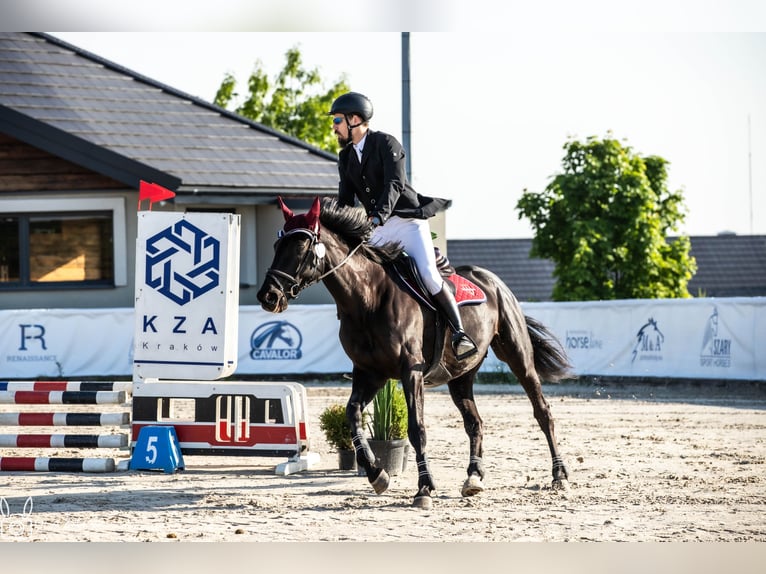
522, 365
461, 391
544, 418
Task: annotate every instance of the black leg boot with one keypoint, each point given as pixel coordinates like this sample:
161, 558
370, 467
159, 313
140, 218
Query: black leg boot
462, 345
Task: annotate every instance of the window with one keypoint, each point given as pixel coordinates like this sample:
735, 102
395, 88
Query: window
61, 243
55, 249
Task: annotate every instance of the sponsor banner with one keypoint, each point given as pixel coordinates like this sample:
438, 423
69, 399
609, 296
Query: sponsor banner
187, 295
39, 343
691, 338
302, 339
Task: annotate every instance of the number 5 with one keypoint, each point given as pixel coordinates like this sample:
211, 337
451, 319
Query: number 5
151, 449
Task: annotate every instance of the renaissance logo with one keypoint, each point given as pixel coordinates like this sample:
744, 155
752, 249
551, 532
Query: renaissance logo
33, 344
278, 340
182, 262
716, 350
649, 342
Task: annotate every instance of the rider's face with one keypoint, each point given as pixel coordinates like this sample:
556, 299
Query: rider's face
340, 128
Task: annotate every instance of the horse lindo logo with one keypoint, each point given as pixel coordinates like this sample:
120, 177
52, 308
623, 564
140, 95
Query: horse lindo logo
276, 340
182, 262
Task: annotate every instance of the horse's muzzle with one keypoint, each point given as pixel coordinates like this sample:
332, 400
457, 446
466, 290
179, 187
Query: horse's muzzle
271, 298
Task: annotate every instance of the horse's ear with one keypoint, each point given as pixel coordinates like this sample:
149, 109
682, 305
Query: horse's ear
286, 211
312, 217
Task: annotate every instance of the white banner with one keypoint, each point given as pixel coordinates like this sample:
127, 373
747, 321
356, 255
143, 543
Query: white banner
302, 339
682, 338
37, 343
689, 338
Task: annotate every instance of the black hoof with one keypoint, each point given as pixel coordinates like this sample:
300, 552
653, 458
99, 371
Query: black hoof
380, 483
423, 499
472, 486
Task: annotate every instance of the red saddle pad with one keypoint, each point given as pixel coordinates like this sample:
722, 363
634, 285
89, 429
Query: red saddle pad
467, 292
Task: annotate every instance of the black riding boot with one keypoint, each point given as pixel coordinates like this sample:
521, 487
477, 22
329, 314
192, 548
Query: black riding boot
462, 345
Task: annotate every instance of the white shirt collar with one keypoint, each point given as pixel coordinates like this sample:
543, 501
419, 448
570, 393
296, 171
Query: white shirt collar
359, 147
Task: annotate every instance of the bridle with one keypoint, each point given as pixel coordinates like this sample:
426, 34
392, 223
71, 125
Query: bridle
316, 248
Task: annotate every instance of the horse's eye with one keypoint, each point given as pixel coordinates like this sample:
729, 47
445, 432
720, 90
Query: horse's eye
280, 234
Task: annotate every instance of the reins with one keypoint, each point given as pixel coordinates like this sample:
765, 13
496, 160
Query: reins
341, 264
296, 286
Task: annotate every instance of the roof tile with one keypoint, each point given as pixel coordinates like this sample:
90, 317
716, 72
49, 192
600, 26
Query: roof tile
117, 109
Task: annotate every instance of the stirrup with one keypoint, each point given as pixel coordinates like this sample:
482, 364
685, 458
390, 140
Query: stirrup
462, 346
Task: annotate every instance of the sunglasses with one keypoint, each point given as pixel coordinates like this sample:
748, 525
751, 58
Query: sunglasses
337, 121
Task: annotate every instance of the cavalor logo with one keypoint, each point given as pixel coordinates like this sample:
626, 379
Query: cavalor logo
182, 262
276, 340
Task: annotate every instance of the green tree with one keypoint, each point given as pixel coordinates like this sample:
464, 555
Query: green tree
604, 222
295, 102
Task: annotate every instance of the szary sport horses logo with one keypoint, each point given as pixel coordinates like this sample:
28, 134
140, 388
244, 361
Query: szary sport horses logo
276, 340
182, 262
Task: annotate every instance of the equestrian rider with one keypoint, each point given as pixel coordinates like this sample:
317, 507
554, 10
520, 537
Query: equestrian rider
371, 165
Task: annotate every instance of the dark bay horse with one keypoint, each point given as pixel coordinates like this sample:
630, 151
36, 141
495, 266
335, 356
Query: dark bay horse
388, 334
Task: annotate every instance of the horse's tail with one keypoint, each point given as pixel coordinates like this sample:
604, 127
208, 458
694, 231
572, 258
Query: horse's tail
551, 362
549, 358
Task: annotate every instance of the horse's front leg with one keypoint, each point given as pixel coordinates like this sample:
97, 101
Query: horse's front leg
461, 391
412, 383
362, 392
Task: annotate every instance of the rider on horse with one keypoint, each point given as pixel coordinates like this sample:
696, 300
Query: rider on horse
371, 165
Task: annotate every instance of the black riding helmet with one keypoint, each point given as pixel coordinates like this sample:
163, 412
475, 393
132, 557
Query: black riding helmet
352, 103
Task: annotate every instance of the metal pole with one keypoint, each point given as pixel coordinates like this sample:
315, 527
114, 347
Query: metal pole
406, 129
750, 172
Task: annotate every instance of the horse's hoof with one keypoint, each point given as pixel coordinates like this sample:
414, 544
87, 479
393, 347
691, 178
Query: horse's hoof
380, 484
472, 486
561, 485
423, 501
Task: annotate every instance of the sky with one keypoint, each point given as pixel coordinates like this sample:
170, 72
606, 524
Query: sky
491, 111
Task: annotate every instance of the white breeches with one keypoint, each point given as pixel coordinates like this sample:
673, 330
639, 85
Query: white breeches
415, 236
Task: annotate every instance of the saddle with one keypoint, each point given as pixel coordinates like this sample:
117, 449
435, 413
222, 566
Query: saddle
405, 274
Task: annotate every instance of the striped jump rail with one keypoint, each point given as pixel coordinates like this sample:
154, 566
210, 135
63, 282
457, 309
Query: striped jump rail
65, 419
46, 386
62, 397
44, 464
66, 393
63, 440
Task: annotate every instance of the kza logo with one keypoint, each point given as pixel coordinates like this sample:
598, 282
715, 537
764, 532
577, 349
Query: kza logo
182, 262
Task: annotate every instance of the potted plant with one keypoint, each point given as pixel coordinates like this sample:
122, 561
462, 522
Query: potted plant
333, 422
389, 428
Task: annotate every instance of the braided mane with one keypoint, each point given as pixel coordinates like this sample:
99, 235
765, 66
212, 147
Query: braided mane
352, 226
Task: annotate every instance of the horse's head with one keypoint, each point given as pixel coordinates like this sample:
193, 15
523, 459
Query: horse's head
297, 262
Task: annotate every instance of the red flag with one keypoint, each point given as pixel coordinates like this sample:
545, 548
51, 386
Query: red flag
153, 192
